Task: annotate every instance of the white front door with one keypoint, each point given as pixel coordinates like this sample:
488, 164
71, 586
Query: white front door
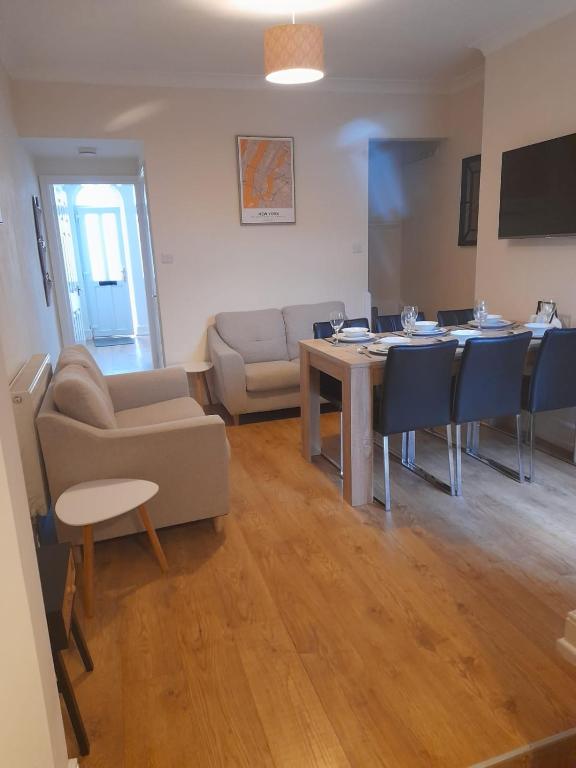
104, 269
70, 270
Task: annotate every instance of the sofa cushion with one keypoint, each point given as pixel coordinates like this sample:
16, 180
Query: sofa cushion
259, 336
277, 374
77, 395
299, 320
77, 354
159, 413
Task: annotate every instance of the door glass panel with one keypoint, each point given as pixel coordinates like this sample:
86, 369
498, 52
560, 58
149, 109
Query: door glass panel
103, 246
112, 246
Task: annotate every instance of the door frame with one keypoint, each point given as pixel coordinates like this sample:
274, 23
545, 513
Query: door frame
146, 249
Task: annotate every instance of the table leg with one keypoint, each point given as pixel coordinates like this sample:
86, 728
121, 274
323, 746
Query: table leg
88, 569
67, 691
153, 536
81, 644
309, 406
357, 418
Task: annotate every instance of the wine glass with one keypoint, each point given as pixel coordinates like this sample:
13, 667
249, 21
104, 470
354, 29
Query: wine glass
411, 316
480, 312
407, 320
336, 321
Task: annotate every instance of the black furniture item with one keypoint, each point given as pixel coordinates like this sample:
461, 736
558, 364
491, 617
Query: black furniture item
391, 323
57, 577
552, 385
416, 394
455, 316
331, 388
489, 386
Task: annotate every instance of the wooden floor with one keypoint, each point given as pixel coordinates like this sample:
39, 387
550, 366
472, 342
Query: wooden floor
124, 358
312, 634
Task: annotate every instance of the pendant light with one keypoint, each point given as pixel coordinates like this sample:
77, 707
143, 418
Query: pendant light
294, 53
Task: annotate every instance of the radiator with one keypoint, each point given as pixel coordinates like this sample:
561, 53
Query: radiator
27, 391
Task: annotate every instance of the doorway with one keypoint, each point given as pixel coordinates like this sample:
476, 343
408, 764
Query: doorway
103, 270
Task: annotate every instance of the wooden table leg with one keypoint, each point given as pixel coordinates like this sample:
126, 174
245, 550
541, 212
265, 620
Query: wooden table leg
357, 423
88, 569
67, 691
153, 536
309, 406
81, 644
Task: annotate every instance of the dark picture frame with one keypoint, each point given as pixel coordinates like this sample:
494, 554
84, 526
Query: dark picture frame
42, 248
469, 200
269, 214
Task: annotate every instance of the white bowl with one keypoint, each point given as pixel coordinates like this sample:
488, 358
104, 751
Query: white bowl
425, 325
493, 317
354, 331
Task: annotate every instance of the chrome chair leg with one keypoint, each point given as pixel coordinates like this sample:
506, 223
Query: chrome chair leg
459, 457
341, 444
450, 459
519, 447
531, 440
574, 453
474, 452
387, 502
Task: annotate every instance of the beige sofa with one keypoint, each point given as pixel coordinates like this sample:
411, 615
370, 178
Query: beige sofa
255, 355
136, 425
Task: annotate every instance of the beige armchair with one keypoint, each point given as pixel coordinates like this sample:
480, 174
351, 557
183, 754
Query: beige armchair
137, 425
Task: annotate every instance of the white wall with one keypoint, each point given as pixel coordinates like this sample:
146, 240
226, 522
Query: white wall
31, 730
530, 96
437, 273
26, 324
189, 148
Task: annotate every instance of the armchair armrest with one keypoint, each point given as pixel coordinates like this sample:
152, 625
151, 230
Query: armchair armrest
187, 458
229, 373
132, 390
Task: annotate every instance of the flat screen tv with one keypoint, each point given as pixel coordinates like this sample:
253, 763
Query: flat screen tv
538, 190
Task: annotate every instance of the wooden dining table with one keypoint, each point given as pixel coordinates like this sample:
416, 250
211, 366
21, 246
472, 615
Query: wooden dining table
358, 371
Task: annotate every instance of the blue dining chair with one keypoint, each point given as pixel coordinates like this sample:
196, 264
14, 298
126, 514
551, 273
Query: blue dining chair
455, 316
416, 394
552, 385
390, 323
489, 386
331, 388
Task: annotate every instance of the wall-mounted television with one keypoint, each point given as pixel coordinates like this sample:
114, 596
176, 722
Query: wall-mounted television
538, 190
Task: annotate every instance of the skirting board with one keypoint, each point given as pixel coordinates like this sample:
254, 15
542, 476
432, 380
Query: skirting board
566, 646
528, 749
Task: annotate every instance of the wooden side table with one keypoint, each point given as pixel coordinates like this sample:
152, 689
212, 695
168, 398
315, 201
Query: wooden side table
197, 370
93, 502
57, 577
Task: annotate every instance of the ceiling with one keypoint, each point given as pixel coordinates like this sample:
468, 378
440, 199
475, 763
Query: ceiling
188, 41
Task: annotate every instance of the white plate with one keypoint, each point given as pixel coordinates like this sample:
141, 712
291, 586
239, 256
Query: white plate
462, 334
354, 331
392, 340
465, 333
538, 329
433, 332
354, 339
496, 325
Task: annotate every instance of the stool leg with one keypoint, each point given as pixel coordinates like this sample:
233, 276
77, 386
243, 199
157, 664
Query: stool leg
81, 644
65, 688
152, 535
88, 570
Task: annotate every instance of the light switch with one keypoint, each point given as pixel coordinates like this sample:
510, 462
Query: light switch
1, 217
357, 248
167, 258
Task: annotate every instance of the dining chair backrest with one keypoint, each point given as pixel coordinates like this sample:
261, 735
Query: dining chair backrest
455, 316
323, 330
416, 393
489, 383
553, 380
391, 323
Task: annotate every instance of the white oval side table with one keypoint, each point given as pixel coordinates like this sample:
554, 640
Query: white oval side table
89, 503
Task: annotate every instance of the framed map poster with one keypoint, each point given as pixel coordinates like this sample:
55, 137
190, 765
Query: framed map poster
266, 176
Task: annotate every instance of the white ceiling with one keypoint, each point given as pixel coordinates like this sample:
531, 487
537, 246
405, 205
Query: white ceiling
182, 41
